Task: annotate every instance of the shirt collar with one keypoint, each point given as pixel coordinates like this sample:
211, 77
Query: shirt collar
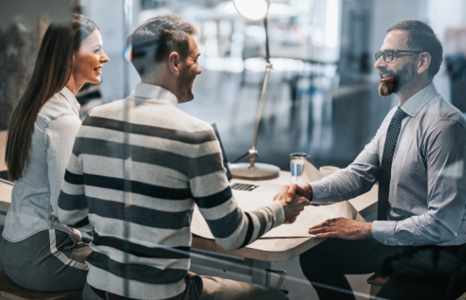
68, 95
414, 104
154, 92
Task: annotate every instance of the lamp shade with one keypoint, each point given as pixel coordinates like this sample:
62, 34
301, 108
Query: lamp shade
253, 10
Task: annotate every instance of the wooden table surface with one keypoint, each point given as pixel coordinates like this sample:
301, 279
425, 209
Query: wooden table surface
3, 137
5, 196
282, 249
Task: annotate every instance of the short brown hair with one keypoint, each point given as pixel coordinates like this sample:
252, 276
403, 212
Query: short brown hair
157, 38
422, 38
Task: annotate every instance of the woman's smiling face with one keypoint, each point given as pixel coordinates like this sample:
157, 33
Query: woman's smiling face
88, 61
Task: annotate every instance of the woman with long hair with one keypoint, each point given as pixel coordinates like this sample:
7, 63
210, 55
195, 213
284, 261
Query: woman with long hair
37, 251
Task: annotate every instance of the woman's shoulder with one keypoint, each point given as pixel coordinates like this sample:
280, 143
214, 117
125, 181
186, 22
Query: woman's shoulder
58, 106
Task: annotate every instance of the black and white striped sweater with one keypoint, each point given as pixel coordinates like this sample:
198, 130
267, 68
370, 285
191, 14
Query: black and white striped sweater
137, 169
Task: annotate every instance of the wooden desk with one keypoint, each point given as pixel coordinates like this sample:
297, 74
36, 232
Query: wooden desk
3, 138
255, 259
5, 196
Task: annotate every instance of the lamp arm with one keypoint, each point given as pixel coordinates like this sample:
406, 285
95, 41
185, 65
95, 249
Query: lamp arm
253, 152
267, 52
268, 66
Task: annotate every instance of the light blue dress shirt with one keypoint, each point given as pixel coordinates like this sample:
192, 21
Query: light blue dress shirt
428, 183
34, 198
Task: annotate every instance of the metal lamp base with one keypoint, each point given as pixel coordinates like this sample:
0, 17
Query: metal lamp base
260, 172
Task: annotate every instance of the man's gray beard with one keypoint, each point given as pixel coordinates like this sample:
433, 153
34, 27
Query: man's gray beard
398, 81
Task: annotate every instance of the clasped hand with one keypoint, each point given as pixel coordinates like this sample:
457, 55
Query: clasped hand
293, 207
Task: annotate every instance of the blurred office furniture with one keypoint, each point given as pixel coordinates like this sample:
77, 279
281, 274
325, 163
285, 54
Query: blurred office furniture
356, 29
455, 61
456, 69
15, 65
376, 283
455, 41
18, 50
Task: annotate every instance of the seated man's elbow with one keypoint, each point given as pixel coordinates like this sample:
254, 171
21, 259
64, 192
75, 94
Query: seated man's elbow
447, 236
443, 234
228, 245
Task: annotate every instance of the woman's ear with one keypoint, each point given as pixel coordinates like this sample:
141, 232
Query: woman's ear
424, 62
174, 62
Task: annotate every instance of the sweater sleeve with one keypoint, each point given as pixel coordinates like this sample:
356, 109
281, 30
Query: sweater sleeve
231, 227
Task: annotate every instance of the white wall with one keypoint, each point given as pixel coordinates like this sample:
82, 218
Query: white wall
445, 14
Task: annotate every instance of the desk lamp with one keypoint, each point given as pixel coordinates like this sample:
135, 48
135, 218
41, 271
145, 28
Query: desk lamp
256, 10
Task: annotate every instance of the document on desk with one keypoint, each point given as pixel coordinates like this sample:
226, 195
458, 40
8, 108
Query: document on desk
312, 215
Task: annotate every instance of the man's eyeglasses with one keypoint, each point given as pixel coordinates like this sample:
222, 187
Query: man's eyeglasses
390, 55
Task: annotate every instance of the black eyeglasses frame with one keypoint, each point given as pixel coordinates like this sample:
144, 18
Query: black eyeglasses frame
394, 54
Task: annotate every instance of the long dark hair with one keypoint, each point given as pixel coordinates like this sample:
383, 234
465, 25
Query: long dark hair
51, 73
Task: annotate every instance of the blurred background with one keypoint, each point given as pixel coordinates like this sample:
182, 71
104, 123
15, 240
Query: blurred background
322, 97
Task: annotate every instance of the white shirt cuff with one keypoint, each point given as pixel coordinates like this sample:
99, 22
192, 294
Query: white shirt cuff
384, 232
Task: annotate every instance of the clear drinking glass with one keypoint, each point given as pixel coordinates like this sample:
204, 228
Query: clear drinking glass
297, 165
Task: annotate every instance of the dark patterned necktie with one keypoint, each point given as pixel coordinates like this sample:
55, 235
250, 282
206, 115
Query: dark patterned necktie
387, 158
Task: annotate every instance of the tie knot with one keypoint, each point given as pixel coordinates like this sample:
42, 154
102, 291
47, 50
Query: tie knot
399, 114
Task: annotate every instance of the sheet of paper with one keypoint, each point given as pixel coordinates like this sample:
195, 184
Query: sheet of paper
312, 215
310, 174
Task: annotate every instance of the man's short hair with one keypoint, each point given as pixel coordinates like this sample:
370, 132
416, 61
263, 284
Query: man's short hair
153, 41
422, 38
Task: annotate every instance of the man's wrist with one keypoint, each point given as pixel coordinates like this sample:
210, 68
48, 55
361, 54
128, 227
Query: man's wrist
308, 191
369, 230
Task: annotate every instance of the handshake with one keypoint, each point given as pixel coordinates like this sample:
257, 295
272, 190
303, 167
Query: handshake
293, 199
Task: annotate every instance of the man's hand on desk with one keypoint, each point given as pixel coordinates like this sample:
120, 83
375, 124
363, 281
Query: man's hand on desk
305, 191
292, 208
342, 228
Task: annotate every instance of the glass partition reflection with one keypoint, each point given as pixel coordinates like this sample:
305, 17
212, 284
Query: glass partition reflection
322, 100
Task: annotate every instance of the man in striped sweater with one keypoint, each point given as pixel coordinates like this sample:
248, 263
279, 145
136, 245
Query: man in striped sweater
139, 166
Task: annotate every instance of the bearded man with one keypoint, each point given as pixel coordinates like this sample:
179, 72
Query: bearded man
418, 156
